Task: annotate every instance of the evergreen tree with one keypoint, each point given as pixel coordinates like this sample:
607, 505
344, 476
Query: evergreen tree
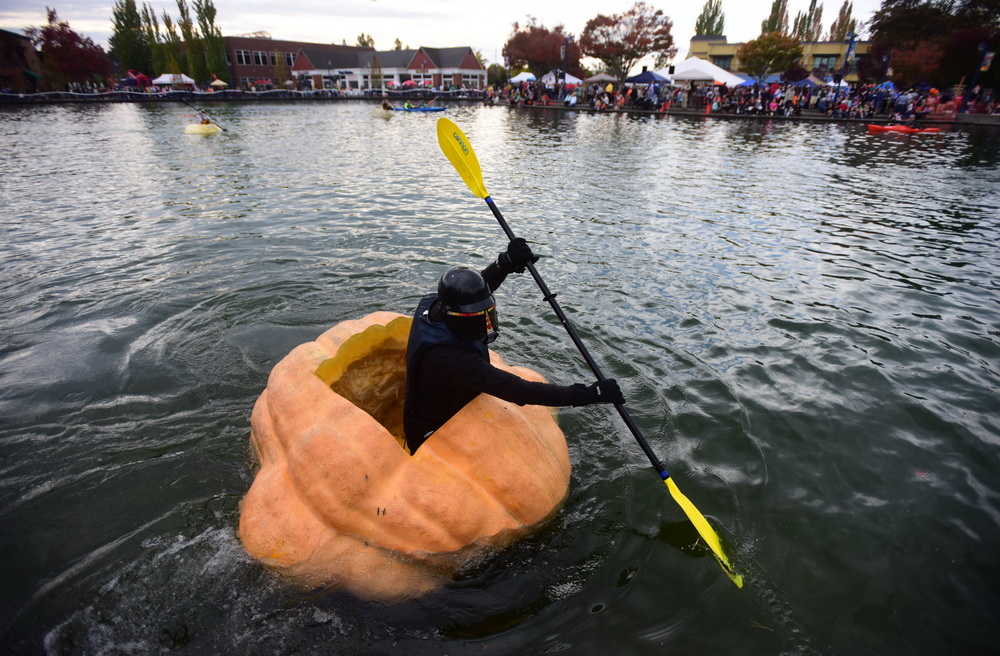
215, 47
844, 23
173, 56
194, 46
777, 21
808, 25
151, 27
128, 42
711, 21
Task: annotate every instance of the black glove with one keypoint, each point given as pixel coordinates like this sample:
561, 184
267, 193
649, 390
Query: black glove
603, 391
517, 255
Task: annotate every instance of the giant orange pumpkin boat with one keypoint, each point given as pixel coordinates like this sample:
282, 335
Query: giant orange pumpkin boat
338, 501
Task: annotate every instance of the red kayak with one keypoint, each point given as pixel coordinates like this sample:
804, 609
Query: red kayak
904, 129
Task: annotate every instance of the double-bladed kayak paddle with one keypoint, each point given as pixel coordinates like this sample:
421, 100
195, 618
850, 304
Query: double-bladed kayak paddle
458, 150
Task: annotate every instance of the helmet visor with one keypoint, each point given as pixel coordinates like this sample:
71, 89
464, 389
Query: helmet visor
479, 325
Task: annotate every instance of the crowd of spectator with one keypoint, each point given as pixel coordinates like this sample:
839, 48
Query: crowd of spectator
776, 99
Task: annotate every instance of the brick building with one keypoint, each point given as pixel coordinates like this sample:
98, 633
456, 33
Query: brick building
260, 61
20, 63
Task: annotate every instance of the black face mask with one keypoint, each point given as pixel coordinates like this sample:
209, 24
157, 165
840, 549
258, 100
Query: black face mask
474, 326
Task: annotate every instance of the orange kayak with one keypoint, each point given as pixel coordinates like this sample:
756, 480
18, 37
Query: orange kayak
904, 129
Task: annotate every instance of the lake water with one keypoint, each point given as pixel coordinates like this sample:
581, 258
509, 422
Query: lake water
805, 319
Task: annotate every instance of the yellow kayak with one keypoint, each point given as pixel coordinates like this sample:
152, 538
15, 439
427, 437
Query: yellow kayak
202, 128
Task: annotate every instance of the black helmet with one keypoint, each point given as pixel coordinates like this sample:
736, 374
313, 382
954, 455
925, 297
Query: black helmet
468, 305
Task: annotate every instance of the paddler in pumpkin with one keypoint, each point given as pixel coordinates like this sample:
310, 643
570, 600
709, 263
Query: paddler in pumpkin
448, 362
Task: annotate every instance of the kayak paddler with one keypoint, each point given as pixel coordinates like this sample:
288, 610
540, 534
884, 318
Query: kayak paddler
448, 362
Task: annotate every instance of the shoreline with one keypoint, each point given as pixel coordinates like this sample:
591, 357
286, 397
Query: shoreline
69, 97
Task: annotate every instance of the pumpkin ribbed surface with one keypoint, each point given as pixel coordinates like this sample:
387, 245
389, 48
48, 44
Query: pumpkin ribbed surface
339, 502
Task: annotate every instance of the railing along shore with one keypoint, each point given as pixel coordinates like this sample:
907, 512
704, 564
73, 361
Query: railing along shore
464, 96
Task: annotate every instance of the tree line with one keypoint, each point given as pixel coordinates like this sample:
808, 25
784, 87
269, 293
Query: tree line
934, 42
939, 43
620, 41
141, 40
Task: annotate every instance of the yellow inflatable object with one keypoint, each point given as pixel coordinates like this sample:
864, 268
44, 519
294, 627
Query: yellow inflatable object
202, 128
339, 502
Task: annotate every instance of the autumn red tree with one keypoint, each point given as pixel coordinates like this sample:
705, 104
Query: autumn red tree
539, 49
621, 40
933, 42
69, 57
916, 63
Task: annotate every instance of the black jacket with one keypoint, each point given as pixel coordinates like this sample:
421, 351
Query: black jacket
445, 372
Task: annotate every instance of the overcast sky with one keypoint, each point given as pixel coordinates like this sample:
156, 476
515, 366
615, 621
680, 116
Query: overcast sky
484, 26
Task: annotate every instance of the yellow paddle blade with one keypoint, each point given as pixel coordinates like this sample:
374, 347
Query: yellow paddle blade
456, 147
704, 530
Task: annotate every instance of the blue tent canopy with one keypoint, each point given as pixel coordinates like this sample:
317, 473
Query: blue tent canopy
647, 77
770, 79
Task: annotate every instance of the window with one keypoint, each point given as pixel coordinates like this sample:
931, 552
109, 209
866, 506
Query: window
289, 59
723, 61
260, 58
825, 62
243, 57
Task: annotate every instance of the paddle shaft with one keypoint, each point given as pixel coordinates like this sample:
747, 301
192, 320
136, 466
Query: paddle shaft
202, 111
551, 298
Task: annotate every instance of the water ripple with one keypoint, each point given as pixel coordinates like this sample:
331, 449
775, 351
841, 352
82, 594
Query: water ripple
804, 318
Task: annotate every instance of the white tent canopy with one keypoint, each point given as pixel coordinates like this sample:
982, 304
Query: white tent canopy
550, 78
602, 77
523, 77
700, 70
173, 78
